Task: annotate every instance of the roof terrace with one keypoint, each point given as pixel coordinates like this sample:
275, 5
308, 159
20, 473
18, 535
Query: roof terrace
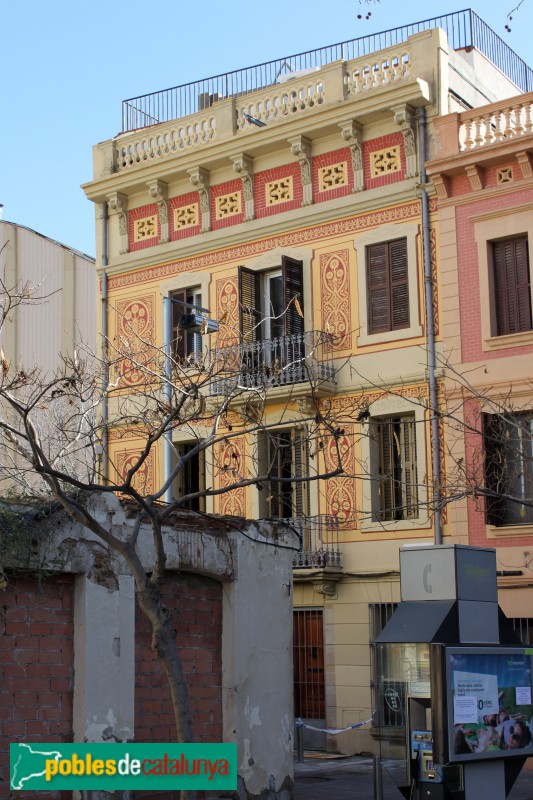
465, 30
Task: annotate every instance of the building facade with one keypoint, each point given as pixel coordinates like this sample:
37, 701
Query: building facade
482, 171
292, 212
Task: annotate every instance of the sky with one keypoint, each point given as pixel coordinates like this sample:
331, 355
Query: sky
68, 66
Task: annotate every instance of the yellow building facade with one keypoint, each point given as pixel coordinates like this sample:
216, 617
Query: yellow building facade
294, 210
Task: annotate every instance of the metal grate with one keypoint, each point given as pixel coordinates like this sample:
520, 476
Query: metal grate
379, 616
463, 28
523, 626
308, 648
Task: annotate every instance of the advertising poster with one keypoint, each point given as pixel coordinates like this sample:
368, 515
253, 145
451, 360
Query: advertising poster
492, 706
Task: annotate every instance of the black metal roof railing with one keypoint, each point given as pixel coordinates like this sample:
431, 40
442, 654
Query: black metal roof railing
464, 29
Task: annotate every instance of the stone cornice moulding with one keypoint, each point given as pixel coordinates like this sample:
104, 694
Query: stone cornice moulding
158, 191
476, 176
371, 201
412, 93
491, 191
118, 204
495, 154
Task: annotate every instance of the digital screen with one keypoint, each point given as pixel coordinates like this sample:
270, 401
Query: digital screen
491, 710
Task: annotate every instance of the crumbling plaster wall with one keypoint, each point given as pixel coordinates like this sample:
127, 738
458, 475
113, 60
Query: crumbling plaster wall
253, 561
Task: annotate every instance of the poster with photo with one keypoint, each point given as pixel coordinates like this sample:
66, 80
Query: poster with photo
492, 712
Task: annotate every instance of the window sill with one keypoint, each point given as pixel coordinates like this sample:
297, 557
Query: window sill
508, 340
367, 339
396, 525
498, 532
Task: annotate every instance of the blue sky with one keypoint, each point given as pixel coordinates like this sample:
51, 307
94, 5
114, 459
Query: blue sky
68, 66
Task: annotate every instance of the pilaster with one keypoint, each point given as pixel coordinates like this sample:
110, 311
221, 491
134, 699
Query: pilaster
352, 133
242, 165
158, 191
200, 180
118, 204
301, 148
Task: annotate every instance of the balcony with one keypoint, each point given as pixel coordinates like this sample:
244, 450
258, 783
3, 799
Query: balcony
283, 362
319, 542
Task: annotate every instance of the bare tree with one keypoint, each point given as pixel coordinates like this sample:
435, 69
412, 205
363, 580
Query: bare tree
53, 430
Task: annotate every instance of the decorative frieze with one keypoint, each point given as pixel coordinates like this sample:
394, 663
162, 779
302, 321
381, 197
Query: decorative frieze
301, 148
228, 205
352, 133
158, 190
118, 204
200, 180
404, 117
242, 165
383, 162
280, 191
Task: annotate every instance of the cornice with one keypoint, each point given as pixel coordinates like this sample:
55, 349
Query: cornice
315, 123
484, 194
353, 205
486, 155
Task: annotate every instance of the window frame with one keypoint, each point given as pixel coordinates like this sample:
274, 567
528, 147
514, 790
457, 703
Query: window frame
382, 235
494, 424
300, 494
505, 223
387, 407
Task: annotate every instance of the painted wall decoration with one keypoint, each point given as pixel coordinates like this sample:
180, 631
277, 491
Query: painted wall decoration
341, 501
230, 468
135, 328
335, 288
227, 311
143, 480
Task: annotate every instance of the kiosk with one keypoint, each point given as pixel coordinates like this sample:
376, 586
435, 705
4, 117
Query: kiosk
454, 686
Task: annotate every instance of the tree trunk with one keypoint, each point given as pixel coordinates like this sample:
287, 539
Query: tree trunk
165, 647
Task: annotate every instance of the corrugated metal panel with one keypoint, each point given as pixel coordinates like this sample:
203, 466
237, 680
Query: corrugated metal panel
86, 289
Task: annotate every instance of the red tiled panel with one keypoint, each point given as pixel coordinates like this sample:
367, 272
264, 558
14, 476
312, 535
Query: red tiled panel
192, 198
381, 143
268, 175
36, 668
140, 213
218, 191
327, 160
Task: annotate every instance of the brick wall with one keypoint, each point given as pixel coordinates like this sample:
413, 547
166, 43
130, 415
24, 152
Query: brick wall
36, 668
196, 605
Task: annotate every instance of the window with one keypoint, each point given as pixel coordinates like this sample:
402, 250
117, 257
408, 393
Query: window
394, 466
387, 286
388, 296
379, 616
187, 344
284, 456
191, 477
309, 672
509, 468
511, 285
271, 303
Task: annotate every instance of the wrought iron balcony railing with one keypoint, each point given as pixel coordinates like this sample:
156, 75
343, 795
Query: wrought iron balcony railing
283, 361
319, 541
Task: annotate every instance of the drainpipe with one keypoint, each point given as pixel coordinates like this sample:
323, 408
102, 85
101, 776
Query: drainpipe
105, 363
167, 348
430, 326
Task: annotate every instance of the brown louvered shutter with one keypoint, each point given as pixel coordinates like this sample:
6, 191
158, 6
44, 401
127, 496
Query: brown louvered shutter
179, 337
409, 473
300, 469
512, 289
293, 288
378, 288
387, 286
399, 284
249, 305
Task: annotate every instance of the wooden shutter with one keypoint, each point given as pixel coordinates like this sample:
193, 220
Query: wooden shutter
386, 471
179, 337
512, 289
493, 438
300, 469
293, 288
387, 286
409, 473
249, 305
